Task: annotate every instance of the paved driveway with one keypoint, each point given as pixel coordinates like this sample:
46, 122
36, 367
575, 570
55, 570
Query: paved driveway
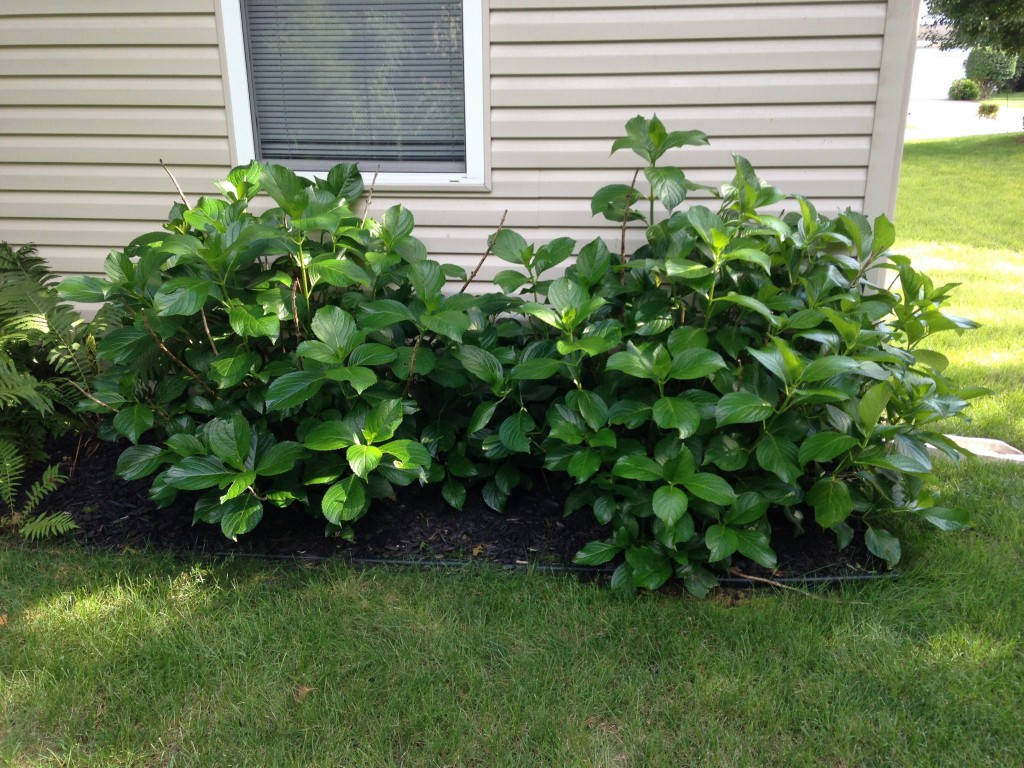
933, 116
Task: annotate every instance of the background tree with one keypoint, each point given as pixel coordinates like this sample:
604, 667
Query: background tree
970, 23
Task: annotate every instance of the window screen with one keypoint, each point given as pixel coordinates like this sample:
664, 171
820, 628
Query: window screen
378, 83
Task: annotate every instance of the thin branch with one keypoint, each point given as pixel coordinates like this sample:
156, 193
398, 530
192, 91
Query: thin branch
487, 253
295, 309
176, 361
772, 583
412, 366
625, 219
369, 195
89, 395
177, 186
206, 327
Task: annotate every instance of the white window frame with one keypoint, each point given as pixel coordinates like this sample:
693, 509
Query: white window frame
243, 145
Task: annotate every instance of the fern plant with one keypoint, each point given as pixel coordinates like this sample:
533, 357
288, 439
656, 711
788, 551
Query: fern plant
46, 353
24, 515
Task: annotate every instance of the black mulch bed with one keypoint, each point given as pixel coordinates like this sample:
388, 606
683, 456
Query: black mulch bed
417, 526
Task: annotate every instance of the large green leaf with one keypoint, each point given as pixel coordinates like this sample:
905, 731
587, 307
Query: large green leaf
133, 420
597, 553
363, 459
139, 461
86, 289
778, 455
825, 446
651, 568
590, 405
721, 542
670, 504
336, 329
383, 420
232, 366
482, 364
884, 545
668, 185
514, 432
249, 321
829, 366
330, 436
676, 413
695, 364
742, 408
454, 492
536, 369
754, 544
279, 458
293, 389
831, 500
510, 246
710, 487
584, 464
196, 473
345, 501
240, 515
230, 439
637, 468
339, 272
872, 406
481, 416
182, 296
946, 519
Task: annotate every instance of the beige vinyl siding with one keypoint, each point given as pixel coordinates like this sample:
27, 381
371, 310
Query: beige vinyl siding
95, 94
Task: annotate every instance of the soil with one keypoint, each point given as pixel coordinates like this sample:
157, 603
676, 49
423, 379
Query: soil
415, 527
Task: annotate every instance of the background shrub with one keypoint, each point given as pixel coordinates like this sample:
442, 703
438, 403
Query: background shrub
990, 68
964, 90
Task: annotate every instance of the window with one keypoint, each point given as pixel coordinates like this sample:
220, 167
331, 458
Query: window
394, 85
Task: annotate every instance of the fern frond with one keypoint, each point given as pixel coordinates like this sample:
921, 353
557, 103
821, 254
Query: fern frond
21, 388
47, 526
12, 470
50, 481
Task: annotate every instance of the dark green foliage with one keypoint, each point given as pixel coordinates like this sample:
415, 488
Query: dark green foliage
964, 90
742, 369
46, 359
46, 353
991, 69
971, 23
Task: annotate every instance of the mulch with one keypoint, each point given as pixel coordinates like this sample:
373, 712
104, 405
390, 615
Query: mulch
415, 527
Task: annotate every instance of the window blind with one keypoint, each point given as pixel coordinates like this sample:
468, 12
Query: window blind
377, 82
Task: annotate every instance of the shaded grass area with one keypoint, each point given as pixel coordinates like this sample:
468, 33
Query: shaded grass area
148, 661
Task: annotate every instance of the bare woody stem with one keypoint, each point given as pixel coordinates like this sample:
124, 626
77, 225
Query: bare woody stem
490, 245
412, 365
625, 219
206, 327
369, 195
92, 397
176, 361
177, 186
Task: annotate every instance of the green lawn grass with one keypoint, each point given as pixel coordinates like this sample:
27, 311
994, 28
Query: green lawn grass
1014, 99
960, 217
149, 661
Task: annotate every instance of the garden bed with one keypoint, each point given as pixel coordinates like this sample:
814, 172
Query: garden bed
416, 527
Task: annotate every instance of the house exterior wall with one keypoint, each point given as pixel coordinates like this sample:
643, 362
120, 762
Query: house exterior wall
95, 95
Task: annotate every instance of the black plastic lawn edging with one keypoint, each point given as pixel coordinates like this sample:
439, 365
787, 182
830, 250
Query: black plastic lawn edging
587, 572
